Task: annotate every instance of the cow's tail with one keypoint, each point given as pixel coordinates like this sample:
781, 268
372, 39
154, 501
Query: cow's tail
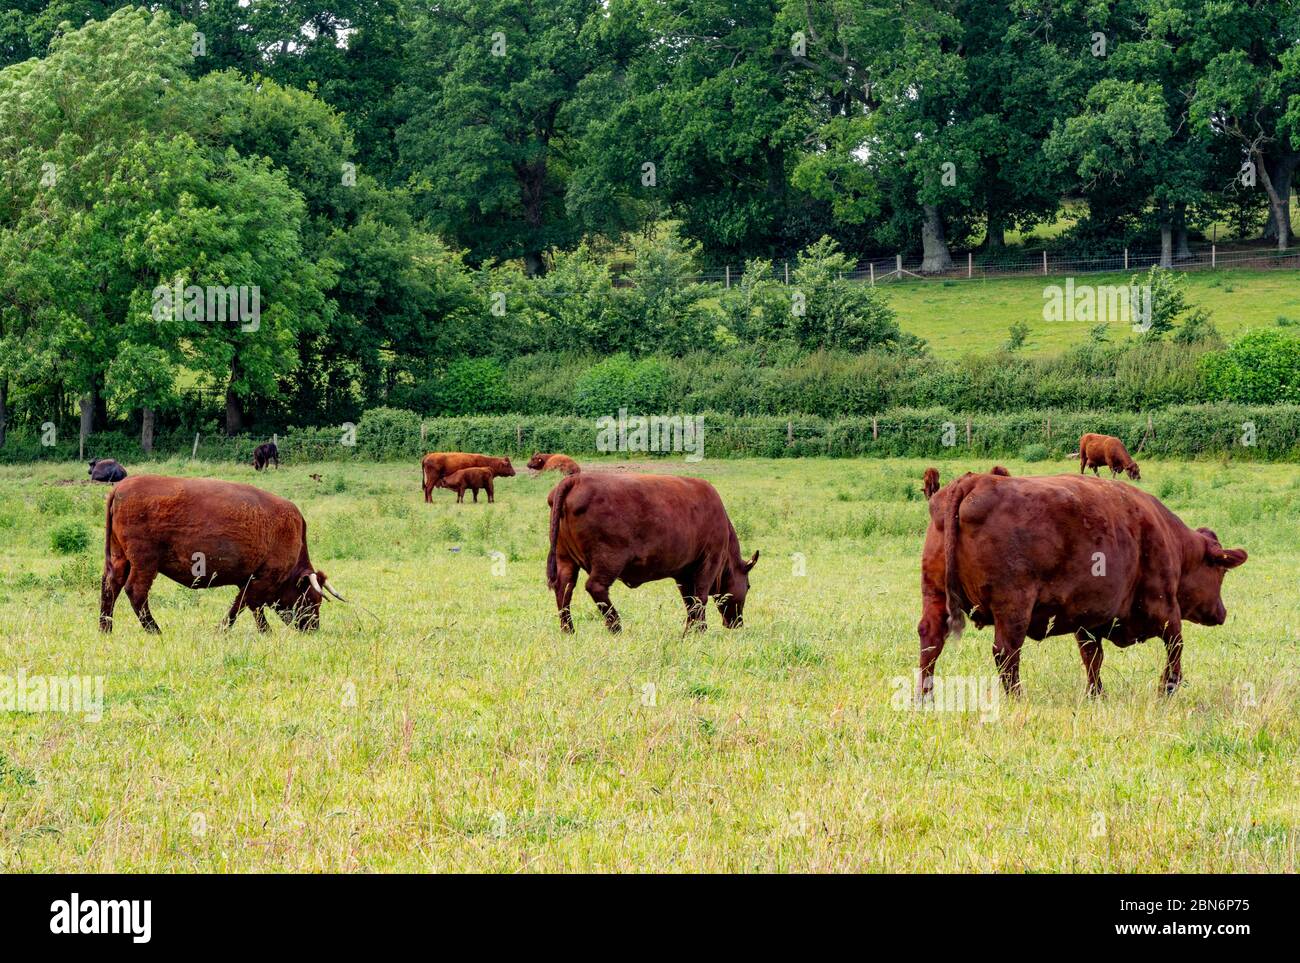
558, 494
956, 597
108, 530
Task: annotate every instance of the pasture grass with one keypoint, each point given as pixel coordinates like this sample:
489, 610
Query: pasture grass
958, 317
442, 722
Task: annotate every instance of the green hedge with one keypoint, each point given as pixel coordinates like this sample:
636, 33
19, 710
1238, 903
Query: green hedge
387, 434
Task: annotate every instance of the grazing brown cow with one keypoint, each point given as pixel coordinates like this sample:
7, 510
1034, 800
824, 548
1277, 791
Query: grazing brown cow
437, 465
930, 480
473, 478
1096, 451
640, 528
1057, 554
263, 455
561, 463
205, 533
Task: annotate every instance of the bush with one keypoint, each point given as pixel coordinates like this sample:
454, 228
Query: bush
1034, 452
642, 387
69, 538
1262, 367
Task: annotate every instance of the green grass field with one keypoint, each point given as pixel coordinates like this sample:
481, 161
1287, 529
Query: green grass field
959, 317
452, 727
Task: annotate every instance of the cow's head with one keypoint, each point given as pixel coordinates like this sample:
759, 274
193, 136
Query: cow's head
1133, 473
504, 468
1200, 595
537, 462
301, 597
735, 586
93, 463
930, 483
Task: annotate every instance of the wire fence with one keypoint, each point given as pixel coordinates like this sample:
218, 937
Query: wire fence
968, 266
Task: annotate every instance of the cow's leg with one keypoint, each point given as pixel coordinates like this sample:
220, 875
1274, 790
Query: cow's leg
566, 577
1172, 633
1091, 652
115, 575
1008, 636
933, 632
598, 588
241, 600
138, 583
428, 485
259, 616
695, 595
491, 493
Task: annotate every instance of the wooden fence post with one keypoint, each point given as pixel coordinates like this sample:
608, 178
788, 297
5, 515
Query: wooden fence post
789, 432
872, 265
423, 428
728, 270
519, 437
875, 429
1044, 261
787, 273
1125, 259
970, 265
968, 431
195, 453
1214, 254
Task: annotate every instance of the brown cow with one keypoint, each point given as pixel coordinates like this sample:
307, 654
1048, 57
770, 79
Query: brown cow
1096, 451
640, 528
437, 465
1056, 554
205, 533
473, 478
930, 480
562, 463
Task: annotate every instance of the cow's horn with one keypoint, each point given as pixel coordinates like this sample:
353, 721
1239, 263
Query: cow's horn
315, 583
330, 588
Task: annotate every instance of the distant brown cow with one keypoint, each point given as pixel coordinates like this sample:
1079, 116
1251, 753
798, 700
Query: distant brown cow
560, 463
930, 480
473, 478
437, 465
205, 533
1057, 554
106, 470
1096, 451
640, 528
263, 455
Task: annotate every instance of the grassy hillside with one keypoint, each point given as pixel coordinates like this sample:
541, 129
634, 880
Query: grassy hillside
957, 317
442, 722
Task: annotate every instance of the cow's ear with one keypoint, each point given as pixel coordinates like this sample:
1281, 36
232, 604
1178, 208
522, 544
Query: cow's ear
1227, 557
750, 564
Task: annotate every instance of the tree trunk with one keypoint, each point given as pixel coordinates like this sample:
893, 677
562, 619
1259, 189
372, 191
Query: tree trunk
4, 409
1166, 237
1279, 211
995, 234
234, 413
1181, 250
146, 430
87, 420
934, 245
1281, 173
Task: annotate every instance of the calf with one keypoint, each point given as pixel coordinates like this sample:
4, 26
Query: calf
1096, 451
106, 470
640, 528
263, 455
204, 533
561, 463
437, 465
472, 478
1050, 555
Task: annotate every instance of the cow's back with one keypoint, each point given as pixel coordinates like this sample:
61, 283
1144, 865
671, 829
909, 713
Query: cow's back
656, 524
229, 530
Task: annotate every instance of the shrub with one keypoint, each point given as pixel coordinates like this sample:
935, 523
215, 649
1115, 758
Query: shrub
69, 538
1262, 367
1034, 452
642, 387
